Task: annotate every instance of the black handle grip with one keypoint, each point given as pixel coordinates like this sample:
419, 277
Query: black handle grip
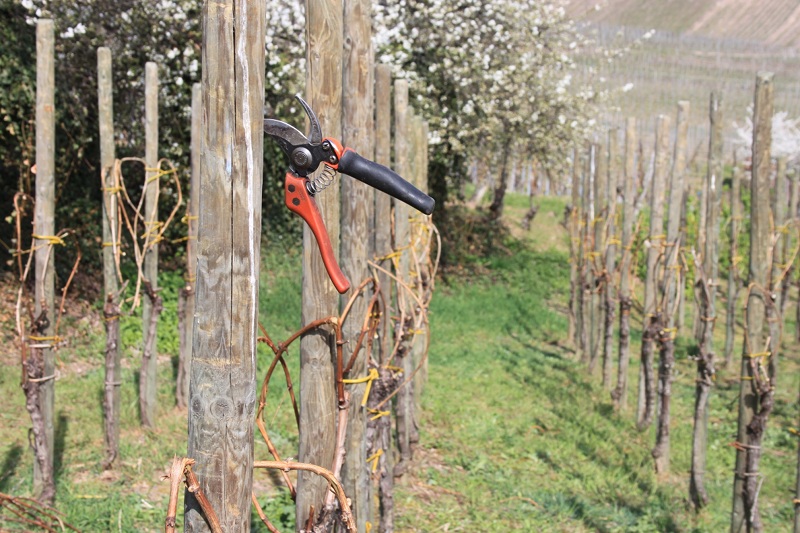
386, 180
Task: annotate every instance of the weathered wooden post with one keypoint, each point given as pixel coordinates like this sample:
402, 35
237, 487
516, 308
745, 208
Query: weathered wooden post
707, 285
357, 214
382, 425
318, 408
774, 315
620, 393
222, 387
755, 402
599, 229
652, 321
405, 398
43, 357
111, 244
585, 274
791, 223
151, 305
671, 292
574, 245
188, 292
610, 292
733, 271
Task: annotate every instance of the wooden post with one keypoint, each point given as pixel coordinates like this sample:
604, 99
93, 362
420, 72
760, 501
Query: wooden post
670, 286
774, 315
733, 270
320, 299
670, 294
382, 426
752, 403
222, 387
405, 398
417, 267
574, 244
791, 223
111, 244
652, 312
357, 213
610, 292
587, 214
44, 227
620, 394
707, 285
151, 305
599, 285
188, 292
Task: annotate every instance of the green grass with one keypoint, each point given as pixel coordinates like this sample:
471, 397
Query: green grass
515, 435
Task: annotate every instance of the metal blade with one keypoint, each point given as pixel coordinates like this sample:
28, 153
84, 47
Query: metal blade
316, 130
282, 130
285, 134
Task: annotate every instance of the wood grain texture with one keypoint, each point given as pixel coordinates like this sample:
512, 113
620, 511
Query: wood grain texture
710, 256
383, 513
147, 401
356, 240
405, 398
44, 224
628, 188
111, 235
222, 388
189, 288
320, 299
656, 239
758, 273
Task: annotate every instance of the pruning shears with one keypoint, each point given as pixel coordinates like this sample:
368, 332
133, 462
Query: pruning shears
305, 155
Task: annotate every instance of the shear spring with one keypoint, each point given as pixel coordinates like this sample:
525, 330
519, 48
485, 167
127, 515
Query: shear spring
321, 182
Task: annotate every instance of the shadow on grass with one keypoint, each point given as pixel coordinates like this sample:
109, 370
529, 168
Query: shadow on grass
9, 467
59, 439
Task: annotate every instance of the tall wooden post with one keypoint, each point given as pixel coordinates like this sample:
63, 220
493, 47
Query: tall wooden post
585, 275
620, 394
610, 243
357, 212
707, 285
791, 223
188, 292
111, 243
320, 299
222, 388
151, 303
752, 404
405, 398
599, 228
774, 314
733, 270
44, 227
652, 312
382, 250
574, 244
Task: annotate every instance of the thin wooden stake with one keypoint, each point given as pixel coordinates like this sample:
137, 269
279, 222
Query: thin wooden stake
111, 244
620, 393
44, 227
150, 304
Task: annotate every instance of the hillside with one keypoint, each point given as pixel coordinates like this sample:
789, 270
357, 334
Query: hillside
771, 22
643, 56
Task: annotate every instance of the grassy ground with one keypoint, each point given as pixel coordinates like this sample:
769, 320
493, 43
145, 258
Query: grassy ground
515, 435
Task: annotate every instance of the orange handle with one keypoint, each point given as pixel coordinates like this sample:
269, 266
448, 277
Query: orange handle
299, 201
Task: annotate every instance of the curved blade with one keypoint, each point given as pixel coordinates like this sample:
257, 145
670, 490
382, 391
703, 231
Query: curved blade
285, 134
315, 135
